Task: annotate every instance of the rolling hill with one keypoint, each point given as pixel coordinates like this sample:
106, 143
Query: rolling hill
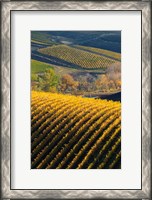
70, 132
79, 57
108, 40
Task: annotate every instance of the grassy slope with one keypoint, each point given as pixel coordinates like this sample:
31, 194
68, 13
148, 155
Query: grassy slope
42, 38
38, 42
38, 67
98, 39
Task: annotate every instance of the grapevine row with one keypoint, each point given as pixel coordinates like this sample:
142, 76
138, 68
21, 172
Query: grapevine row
79, 57
74, 132
102, 51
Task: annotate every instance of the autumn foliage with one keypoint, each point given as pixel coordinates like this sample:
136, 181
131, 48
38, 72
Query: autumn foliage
69, 132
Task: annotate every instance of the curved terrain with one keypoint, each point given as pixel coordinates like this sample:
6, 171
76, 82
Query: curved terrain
101, 52
69, 132
82, 58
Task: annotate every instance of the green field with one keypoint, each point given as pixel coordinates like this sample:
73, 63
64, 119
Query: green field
41, 38
38, 67
38, 42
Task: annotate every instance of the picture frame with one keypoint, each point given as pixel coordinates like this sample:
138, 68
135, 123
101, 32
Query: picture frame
7, 8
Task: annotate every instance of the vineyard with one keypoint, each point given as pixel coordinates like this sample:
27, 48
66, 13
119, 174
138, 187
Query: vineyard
102, 51
82, 58
69, 132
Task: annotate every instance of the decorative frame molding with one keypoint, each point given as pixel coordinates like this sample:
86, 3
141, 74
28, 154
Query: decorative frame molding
6, 8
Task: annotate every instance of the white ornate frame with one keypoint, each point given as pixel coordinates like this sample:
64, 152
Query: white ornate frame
6, 8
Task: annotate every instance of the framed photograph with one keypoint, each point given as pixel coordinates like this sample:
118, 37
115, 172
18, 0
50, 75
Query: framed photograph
76, 89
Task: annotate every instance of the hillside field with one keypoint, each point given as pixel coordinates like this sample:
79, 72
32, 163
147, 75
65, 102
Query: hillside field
70, 132
113, 55
109, 40
38, 67
79, 57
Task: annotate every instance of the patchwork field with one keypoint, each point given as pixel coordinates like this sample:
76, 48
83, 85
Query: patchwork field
75, 99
